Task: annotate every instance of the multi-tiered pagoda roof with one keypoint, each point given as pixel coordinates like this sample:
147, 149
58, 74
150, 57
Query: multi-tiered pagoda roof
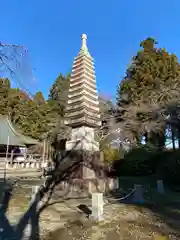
83, 106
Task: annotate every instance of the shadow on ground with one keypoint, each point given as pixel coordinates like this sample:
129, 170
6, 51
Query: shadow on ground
30, 217
165, 208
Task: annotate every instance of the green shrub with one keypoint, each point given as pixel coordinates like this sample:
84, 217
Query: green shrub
137, 162
144, 161
111, 154
170, 167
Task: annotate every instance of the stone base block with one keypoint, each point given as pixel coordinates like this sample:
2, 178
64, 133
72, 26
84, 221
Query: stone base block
80, 164
84, 187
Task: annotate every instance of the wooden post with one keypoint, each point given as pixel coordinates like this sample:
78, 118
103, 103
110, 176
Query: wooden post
44, 146
12, 154
7, 150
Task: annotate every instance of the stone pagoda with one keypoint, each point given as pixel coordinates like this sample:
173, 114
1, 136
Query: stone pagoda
82, 112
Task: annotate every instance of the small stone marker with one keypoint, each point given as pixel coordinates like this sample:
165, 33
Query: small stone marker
138, 194
116, 183
160, 186
97, 206
113, 184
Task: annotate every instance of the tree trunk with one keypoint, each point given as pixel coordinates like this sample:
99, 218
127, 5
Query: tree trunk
161, 139
173, 138
178, 137
156, 139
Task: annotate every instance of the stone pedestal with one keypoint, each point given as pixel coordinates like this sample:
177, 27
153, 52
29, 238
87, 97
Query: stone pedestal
83, 158
84, 151
83, 171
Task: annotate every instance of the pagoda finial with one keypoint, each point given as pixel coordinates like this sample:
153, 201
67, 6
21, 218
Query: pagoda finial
84, 48
84, 38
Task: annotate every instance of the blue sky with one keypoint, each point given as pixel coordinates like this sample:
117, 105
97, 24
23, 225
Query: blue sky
51, 31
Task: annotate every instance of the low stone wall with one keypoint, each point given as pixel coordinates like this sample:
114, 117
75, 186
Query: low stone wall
37, 165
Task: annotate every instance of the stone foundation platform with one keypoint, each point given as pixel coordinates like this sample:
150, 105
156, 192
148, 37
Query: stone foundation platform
83, 174
84, 188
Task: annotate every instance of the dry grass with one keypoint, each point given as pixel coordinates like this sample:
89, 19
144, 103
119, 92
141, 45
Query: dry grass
157, 221
124, 222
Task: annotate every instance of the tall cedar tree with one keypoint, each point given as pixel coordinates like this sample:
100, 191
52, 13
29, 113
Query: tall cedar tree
58, 93
57, 100
145, 95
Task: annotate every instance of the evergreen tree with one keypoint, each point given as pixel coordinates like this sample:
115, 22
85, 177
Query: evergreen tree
29, 115
5, 87
39, 98
106, 111
58, 93
57, 101
151, 84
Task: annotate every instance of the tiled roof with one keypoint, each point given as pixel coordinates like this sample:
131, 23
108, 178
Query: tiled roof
9, 134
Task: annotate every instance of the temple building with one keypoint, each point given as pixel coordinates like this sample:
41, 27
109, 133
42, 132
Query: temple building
82, 112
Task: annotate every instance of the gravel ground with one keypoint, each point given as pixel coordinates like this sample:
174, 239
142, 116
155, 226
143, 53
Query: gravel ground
121, 221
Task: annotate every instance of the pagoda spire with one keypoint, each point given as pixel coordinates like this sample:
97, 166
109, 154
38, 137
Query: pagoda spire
84, 38
84, 48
